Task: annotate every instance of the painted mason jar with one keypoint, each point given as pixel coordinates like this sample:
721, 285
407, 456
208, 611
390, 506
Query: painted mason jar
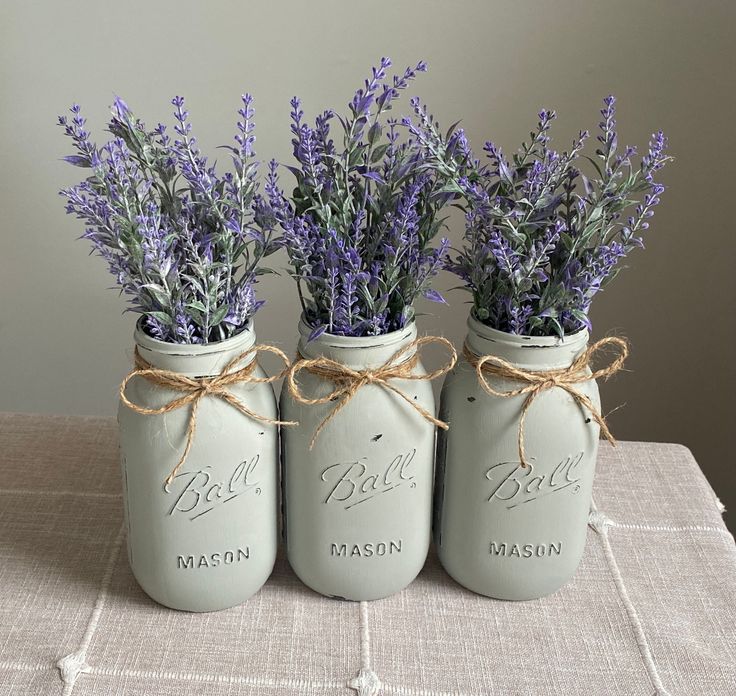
502, 529
358, 502
206, 539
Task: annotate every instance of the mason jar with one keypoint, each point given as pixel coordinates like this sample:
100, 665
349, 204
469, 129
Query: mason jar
207, 539
501, 529
358, 503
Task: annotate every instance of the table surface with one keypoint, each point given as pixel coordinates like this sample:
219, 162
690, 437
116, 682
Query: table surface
651, 610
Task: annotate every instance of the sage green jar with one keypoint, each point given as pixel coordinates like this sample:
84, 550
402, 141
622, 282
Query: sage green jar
502, 530
358, 504
206, 540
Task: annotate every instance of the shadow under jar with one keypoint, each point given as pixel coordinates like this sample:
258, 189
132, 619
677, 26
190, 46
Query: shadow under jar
504, 530
206, 540
358, 504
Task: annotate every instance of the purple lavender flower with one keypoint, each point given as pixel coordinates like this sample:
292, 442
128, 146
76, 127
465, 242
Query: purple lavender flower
186, 257
542, 238
360, 225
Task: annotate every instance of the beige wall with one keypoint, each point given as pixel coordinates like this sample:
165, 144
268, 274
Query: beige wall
64, 344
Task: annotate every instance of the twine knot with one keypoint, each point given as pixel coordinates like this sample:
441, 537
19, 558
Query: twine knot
535, 382
348, 381
195, 389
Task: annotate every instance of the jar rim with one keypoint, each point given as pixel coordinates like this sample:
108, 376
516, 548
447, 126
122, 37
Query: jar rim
337, 341
245, 336
579, 338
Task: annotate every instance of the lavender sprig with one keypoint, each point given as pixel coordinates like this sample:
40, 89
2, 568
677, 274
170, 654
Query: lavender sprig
179, 238
360, 225
542, 238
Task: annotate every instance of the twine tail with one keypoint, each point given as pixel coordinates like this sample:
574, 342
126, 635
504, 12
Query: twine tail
598, 417
419, 409
343, 402
240, 406
520, 435
191, 427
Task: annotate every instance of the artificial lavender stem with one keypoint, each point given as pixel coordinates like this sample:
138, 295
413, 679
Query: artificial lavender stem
186, 259
538, 246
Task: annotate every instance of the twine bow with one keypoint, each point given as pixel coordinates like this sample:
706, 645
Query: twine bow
348, 381
537, 382
196, 388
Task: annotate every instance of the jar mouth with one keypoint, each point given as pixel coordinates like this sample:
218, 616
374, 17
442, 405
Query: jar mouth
245, 336
475, 326
336, 341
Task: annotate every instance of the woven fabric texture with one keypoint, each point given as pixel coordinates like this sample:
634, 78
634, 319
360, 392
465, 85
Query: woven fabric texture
652, 609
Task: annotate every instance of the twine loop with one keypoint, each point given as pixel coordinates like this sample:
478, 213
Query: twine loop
348, 381
194, 389
535, 382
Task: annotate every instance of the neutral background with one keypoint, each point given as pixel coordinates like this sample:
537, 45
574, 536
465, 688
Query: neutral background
64, 344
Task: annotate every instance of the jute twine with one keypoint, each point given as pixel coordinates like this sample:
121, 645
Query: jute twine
348, 381
535, 382
194, 389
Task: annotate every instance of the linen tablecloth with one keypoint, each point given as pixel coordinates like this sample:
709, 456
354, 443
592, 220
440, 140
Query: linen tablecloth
651, 610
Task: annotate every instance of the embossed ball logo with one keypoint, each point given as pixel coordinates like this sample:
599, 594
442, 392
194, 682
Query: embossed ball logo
198, 492
515, 485
356, 482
